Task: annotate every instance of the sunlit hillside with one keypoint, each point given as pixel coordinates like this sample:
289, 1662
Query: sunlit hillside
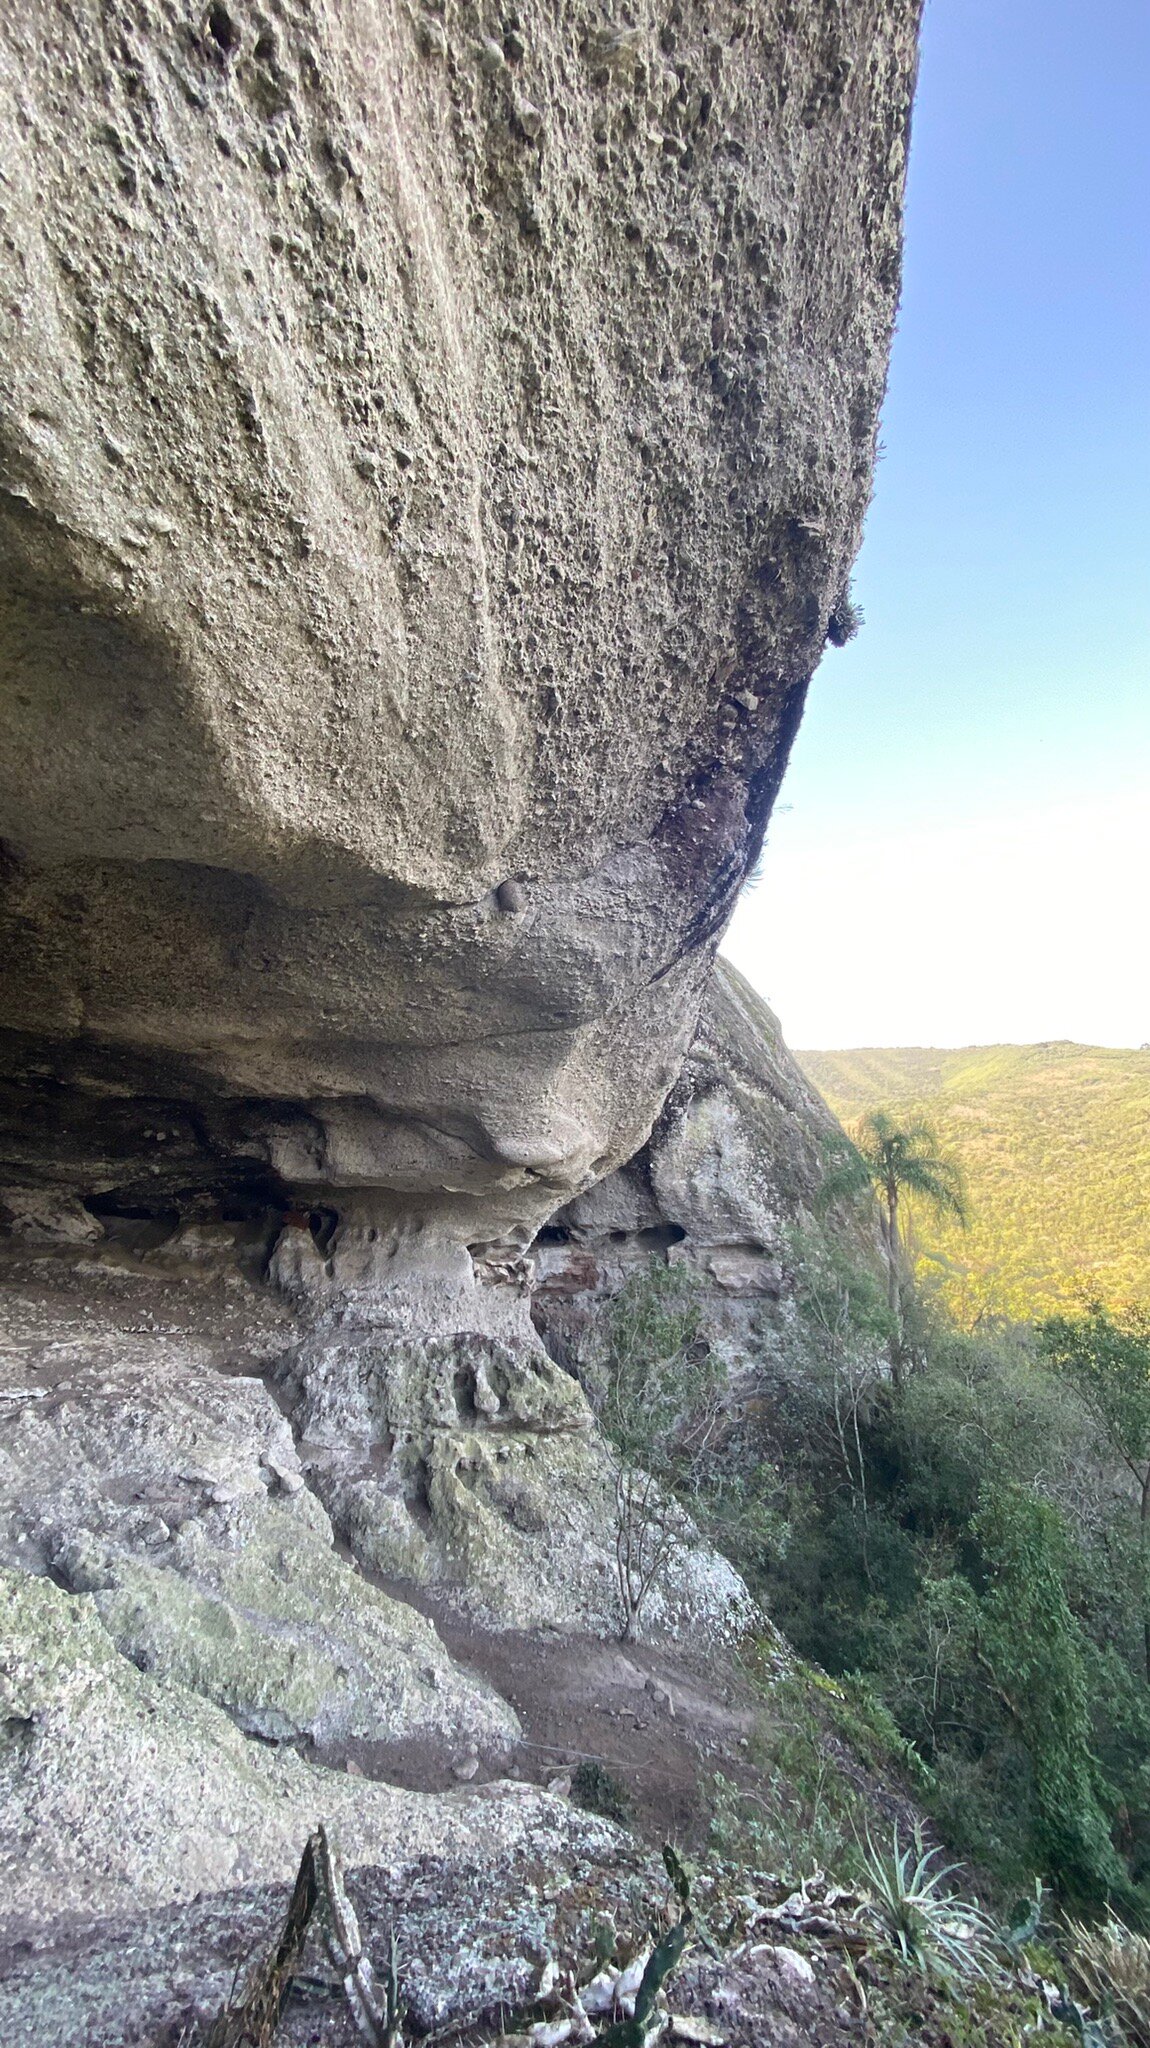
1055, 1142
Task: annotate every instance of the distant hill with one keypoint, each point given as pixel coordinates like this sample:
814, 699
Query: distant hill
1055, 1142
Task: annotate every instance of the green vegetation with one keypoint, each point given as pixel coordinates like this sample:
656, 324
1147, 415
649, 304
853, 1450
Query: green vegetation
928, 1929
963, 1546
962, 1551
967, 1550
597, 1790
804, 1812
656, 1390
1111, 1967
1054, 1141
1107, 1359
897, 1163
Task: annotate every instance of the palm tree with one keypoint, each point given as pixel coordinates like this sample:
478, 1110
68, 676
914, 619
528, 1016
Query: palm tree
894, 1160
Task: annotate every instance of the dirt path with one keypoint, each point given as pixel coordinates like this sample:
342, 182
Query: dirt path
661, 1720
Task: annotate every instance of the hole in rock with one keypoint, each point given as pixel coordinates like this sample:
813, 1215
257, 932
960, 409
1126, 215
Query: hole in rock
464, 1391
553, 1233
660, 1236
323, 1224
223, 30
137, 1229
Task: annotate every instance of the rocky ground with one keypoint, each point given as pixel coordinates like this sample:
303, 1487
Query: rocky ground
195, 1670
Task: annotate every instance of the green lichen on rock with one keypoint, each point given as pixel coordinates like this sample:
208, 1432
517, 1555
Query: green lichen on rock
172, 1493
275, 1626
121, 1790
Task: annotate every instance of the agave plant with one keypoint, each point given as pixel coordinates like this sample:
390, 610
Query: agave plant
1112, 1965
929, 1929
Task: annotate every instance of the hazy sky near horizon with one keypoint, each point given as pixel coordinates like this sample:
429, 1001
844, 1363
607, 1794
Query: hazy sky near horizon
962, 848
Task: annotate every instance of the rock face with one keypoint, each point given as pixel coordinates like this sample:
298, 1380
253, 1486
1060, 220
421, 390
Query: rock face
450, 1449
122, 1792
136, 1472
431, 457
433, 445
732, 1168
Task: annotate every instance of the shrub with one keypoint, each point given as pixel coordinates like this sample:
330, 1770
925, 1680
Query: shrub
803, 1814
928, 1929
1032, 1649
597, 1790
1111, 1966
658, 1399
968, 1552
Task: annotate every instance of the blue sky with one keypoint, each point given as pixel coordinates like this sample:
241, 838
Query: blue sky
965, 849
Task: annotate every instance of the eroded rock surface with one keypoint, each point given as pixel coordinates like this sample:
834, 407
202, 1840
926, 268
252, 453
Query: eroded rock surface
731, 1172
431, 457
452, 1450
433, 445
121, 1790
135, 1471
475, 1927
186, 1660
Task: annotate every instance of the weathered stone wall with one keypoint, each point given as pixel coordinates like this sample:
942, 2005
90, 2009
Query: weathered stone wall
432, 449
731, 1172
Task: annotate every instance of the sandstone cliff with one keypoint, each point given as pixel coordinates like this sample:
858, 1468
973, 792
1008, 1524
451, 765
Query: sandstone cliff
433, 445
432, 452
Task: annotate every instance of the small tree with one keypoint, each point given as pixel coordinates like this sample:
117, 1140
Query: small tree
892, 1161
658, 1406
1107, 1359
847, 1329
1032, 1650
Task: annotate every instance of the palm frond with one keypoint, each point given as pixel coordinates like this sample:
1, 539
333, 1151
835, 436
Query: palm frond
846, 1175
907, 1158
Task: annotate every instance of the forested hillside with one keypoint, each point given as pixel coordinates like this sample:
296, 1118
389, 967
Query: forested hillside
1055, 1143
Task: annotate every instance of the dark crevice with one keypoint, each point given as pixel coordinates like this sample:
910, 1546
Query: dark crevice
225, 32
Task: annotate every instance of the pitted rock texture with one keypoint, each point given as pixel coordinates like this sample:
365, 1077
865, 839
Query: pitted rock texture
168, 1491
732, 1169
431, 456
451, 1450
475, 1927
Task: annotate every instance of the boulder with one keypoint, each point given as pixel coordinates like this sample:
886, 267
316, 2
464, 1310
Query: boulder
170, 1494
427, 484
122, 1791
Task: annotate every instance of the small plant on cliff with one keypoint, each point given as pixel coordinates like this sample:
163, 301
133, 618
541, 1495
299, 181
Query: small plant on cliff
927, 1928
1111, 1964
598, 1790
845, 619
658, 1402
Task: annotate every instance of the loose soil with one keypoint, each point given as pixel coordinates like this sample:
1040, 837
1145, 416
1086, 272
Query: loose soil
660, 1719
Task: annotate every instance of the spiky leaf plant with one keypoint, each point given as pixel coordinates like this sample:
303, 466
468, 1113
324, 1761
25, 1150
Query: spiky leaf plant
929, 1930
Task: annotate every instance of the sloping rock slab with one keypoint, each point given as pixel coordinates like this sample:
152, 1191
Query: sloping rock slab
472, 1930
170, 1492
121, 1791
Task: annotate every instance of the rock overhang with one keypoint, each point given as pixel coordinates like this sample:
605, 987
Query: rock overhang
418, 527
